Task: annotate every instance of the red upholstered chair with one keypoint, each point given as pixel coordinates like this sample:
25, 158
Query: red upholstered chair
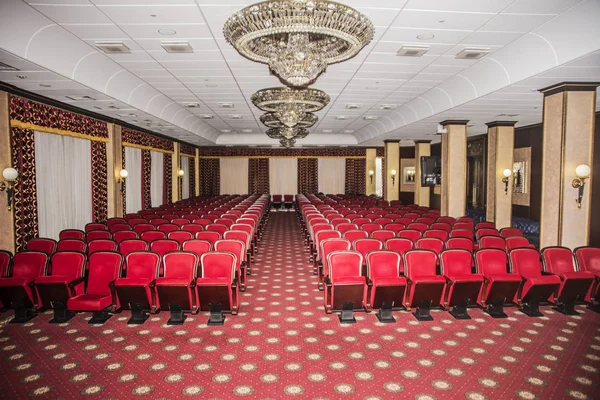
400, 246
72, 234
464, 233
424, 286
136, 221
485, 225
164, 246
6, 259
167, 228
151, 236
492, 242
486, 232
404, 221
131, 245
364, 246
112, 221
411, 234
17, 291
288, 200
499, 286
418, 226
218, 283
118, 227
462, 286
460, 243
319, 237
442, 226
141, 228
95, 227
180, 236
515, 242
373, 216
224, 221
101, 245
355, 234
436, 233
158, 221
202, 221
238, 248
383, 221
535, 287
383, 234
574, 284
177, 289
343, 228
384, 281
361, 221
210, 236
412, 215
93, 235
180, 221
434, 244
217, 228
136, 291
44, 245
425, 220
247, 239
509, 232
277, 200
394, 227
588, 259
312, 232
468, 220
463, 225
338, 221
446, 220
329, 246
344, 281
66, 280
213, 217
119, 236
100, 296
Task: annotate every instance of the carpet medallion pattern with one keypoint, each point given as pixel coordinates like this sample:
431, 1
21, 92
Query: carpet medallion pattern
282, 344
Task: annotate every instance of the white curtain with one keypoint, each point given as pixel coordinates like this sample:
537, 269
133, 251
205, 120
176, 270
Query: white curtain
234, 175
185, 184
283, 175
378, 182
63, 182
156, 178
133, 165
332, 175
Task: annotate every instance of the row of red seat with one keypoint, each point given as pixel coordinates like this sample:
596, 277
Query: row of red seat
142, 280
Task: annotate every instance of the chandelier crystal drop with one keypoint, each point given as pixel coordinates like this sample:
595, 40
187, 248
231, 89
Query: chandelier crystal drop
287, 143
298, 38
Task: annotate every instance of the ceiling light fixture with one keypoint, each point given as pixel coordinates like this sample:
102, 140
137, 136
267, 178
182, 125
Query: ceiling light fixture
208, 116
353, 106
177, 46
412, 50
113, 47
298, 38
426, 36
287, 133
327, 130
22, 76
45, 85
341, 117
226, 130
270, 120
290, 105
472, 53
226, 105
168, 32
370, 118
387, 106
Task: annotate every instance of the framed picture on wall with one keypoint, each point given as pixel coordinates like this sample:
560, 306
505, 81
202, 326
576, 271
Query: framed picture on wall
409, 175
520, 177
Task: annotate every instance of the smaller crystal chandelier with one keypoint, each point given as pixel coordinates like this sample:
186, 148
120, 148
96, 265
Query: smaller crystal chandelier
276, 120
287, 133
287, 143
290, 106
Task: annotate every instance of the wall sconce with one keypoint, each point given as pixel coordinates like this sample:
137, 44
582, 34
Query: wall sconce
393, 172
10, 176
371, 173
507, 174
122, 176
180, 174
583, 172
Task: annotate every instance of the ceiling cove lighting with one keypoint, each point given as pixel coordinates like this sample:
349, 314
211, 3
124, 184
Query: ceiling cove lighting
298, 39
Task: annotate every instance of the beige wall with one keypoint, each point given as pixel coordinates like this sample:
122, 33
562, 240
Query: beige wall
500, 157
7, 224
114, 156
392, 161
454, 171
371, 166
422, 193
523, 154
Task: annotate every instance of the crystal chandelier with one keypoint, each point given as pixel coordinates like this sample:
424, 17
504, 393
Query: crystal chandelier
298, 38
287, 143
290, 105
274, 120
287, 133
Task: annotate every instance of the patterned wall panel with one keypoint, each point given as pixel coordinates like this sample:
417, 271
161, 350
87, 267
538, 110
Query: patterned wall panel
380, 151
210, 176
25, 195
280, 152
144, 139
258, 175
308, 175
167, 179
355, 175
146, 176
187, 150
99, 182
192, 176
124, 185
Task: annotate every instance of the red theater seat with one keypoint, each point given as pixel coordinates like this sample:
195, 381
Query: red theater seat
464, 233
515, 242
180, 221
180, 236
95, 227
434, 244
443, 226
319, 237
237, 248
6, 259
197, 246
384, 280
344, 281
460, 243
209, 236
151, 236
44, 245
492, 242
499, 286
119, 227
93, 235
395, 227
424, 286
364, 246
436, 233
462, 286
72, 234
411, 234
119, 236
218, 284
167, 228
65, 280
383, 234
100, 295
485, 225
486, 232
131, 245
136, 291
329, 246
418, 226
217, 228
143, 227
177, 289
101, 245
247, 239
588, 259
400, 246
113, 221
574, 284
508, 232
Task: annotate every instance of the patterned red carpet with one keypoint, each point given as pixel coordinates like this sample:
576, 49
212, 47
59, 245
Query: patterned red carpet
283, 344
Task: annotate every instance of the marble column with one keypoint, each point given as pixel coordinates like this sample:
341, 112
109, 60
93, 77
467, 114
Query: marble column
114, 162
422, 193
392, 163
454, 168
371, 166
175, 167
501, 143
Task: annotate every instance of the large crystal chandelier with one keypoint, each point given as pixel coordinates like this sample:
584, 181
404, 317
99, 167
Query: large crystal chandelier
298, 38
276, 120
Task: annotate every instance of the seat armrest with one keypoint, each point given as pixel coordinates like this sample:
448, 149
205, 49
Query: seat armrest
74, 283
113, 293
152, 286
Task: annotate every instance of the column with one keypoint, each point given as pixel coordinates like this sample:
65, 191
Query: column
392, 164
7, 218
422, 193
197, 172
568, 128
175, 167
501, 143
114, 163
454, 168
371, 166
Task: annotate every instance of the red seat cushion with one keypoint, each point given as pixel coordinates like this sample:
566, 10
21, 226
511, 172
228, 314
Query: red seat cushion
544, 280
428, 279
389, 281
503, 278
350, 280
213, 281
577, 275
89, 302
466, 278
173, 282
52, 280
123, 282
12, 282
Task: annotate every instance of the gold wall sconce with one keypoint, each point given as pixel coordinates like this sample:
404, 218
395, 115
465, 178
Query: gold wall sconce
583, 172
371, 173
121, 180
393, 172
507, 174
180, 174
10, 176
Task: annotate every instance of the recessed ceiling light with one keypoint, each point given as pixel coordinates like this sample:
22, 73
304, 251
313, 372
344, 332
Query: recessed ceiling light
211, 85
167, 31
177, 47
426, 36
353, 106
412, 51
226, 130
113, 47
387, 106
247, 130
534, 90
191, 105
341, 117
327, 130
22, 76
349, 131
370, 118
208, 116
472, 53
226, 105
235, 116
45, 85
80, 98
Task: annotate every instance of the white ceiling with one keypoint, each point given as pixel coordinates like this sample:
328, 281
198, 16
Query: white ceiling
533, 43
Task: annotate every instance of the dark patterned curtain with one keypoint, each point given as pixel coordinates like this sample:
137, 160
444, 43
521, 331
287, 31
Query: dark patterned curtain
308, 175
192, 177
99, 182
167, 178
258, 176
355, 175
124, 185
146, 176
210, 177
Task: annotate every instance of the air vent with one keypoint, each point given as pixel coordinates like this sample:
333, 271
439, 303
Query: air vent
191, 105
226, 130
327, 130
130, 115
472, 53
349, 131
80, 98
6, 67
353, 106
177, 47
113, 47
387, 106
370, 118
412, 51
226, 105
235, 116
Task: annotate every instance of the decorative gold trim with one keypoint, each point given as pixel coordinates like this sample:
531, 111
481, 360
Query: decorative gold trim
188, 155
561, 190
139, 146
283, 157
26, 125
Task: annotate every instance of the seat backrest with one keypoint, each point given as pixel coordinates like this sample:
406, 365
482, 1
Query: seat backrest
142, 264
180, 236
344, 263
447, 220
383, 221
384, 264
119, 236
514, 242
508, 232
141, 228
6, 259
485, 225
465, 233
361, 221
136, 221
197, 246
101, 245
383, 234
411, 234
491, 262
70, 264
338, 221
434, 244
460, 243
167, 228
72, 245
463, 225
30, 264
239, 235
346, 227
202, 221
45, 245
442, 226
394, 226
150, 236
72, 234
210, 236
219, 264
277, 198
436, 233
158, 221
420, 263
94, 235
456, 262
525, 262
224, 221
236, 247
112, 221
180, 221
399, 245
355, 234
164, 246
587, 259
181, 264
331, 245
322, 235
557, 260
119, 227
486, 232
95, 227
217, 228
492, 242
468, 220
425, 220
418, 226
364, 246
104, 267
131, 245
370, 227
